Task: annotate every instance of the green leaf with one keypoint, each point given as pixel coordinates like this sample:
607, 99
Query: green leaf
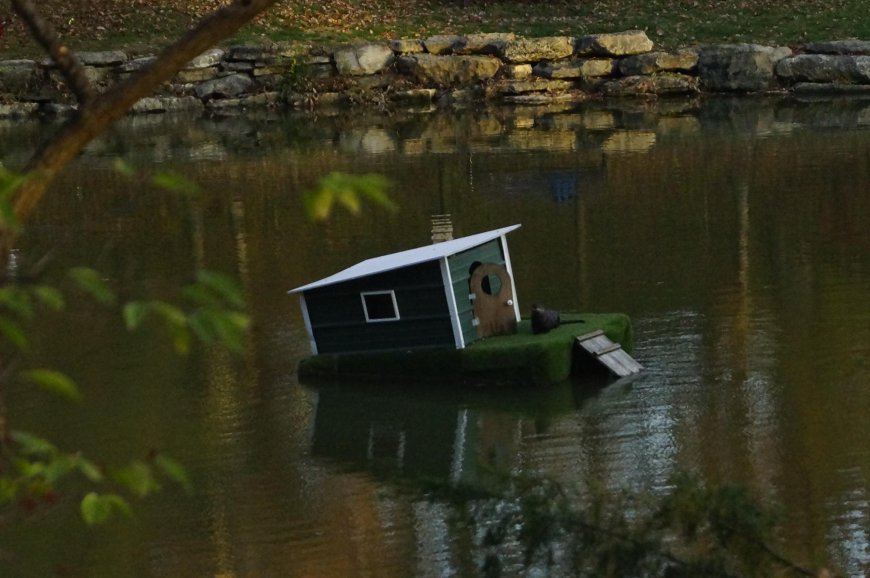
170, 314
29, 469
350, 199
9, 183
180, 339
50, 297
120, 505
124, 168
59, 467
173, 470
232, 330
175, 182
13, 333
348, 191
136, 477
53, 381
8, 489
17, 301
90, 282
202, 296
226, 328
8, 218
134, 313
318, 204
240, 321
223, 285
176, 323
32, 445
97, 508
380, 198
200, 323
89, 469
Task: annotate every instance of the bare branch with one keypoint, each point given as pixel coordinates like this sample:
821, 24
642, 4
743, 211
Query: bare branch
43, 32
99, 113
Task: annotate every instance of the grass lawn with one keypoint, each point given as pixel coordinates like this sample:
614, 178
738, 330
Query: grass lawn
141, 26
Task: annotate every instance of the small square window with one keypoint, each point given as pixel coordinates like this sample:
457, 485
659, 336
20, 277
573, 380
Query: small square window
380, 306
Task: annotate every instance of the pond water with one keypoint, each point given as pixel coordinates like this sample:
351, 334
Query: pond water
735, 233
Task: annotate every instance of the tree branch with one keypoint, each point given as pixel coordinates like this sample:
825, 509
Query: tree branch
43, 32
100, 112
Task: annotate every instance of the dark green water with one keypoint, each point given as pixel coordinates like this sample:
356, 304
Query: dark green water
735, 233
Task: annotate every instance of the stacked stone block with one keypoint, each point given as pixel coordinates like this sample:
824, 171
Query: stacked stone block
452, 68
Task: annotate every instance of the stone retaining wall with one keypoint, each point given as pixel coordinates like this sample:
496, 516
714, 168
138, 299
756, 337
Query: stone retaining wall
453, 69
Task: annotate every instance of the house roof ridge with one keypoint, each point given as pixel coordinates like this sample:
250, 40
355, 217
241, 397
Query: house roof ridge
407, 257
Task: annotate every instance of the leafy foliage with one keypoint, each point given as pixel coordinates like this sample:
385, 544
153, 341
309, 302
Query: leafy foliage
89, 281
216, 314
53, 381
211, 309
348, 191
97, 508
9, 183
34, 471
166, 180
693, 530
32, 468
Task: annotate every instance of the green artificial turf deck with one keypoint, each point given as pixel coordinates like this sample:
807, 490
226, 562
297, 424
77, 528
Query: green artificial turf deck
520, 358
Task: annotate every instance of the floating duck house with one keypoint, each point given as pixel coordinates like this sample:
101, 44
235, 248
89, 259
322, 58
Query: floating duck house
445, 295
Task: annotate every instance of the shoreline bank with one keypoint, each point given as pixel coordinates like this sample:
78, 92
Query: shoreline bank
449, 70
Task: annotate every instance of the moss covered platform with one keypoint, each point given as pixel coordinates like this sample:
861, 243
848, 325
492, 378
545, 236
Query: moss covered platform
520, 358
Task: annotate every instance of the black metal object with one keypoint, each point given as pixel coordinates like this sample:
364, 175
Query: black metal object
544, 320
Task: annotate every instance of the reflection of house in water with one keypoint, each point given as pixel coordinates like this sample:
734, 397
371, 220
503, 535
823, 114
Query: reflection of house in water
385, 435
560, 186
413, 436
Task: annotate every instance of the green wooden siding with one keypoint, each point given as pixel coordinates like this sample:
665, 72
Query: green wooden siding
339, 324
460, 264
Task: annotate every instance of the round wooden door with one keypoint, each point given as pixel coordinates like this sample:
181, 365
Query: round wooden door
493, 300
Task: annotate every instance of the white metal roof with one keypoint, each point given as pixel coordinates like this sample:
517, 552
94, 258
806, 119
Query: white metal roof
409, 257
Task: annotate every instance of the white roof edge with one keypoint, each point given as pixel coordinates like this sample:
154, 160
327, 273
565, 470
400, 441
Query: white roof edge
405, 258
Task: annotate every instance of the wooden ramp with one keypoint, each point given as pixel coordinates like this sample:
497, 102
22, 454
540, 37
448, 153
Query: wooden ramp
609, 354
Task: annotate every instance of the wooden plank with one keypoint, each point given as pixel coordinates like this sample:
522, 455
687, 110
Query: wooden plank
628, 361
595, 344
609, 348
614, 365
609, 354
621, 363
596, 333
